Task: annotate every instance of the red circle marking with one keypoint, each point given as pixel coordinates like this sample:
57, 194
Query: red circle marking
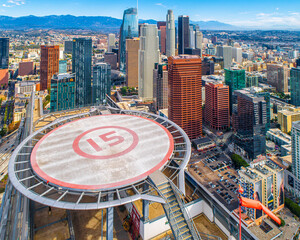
86, 155
57, 182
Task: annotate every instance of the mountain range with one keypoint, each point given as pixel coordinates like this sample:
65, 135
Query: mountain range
97, 23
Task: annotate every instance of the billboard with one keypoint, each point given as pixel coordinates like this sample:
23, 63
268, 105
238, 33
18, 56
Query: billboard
280, 186
270, 194
258, 197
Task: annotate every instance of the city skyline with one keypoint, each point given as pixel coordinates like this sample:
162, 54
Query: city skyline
269, 14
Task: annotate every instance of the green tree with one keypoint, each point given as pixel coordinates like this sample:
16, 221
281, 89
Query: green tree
294, 207
238, 161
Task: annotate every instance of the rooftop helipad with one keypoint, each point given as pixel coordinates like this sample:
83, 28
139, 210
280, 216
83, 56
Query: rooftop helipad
102, 152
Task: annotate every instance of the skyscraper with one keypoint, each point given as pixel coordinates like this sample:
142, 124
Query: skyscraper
192, 37
111, 43
49, 65
62, 95
170, 34
236, 80
162, 39
82, 67
295, 86
101, 82
237, 54
68, 47
278, 76
185, 93
199, 40
132, 62
295, 149
4, 53
217, 106
251, 122
129, 29
148, 56
160, 86
183, 33
227, 56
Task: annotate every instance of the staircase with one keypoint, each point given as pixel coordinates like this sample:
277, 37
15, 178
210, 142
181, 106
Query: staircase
181, 225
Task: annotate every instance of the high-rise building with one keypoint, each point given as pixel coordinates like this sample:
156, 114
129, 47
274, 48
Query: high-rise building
199, 41
251, 80
49, 65
170, 34
192, 37
101, 82
25, 68
286, 117
160, 86
62, 95
216, 112
183, 33
236, 80
219, 51
214, 39
295, 86
278, 76
129, 29
63, 66
262, 181
227, 56
112, 59
68, 47
82, 67
185, 93
161, 24
237, 54
295, 149
4, 53
132, 62
293, 54
111, 43
148, 56
298, 62
208, 66
162, 39
251, 123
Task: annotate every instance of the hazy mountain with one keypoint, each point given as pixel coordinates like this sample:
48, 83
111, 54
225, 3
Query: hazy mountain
104, 24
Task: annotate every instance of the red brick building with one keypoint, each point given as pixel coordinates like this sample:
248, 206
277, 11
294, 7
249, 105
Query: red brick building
49, 65
185, 93
216, 112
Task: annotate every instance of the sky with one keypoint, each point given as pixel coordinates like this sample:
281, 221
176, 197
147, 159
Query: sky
254, 13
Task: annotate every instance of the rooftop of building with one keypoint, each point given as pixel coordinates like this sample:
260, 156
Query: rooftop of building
278, 133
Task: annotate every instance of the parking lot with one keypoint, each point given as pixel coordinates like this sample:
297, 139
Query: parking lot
215, 172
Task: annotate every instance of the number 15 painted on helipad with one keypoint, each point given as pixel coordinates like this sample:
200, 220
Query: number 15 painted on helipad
105, 138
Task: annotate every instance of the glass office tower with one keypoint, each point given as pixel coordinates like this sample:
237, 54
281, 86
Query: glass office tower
82, 67
129, 29
4, 53
101, 82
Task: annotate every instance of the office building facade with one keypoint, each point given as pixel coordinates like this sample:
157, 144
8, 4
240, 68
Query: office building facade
148, 56
296, 149
25, 68
82, 67
112, 59
63, 66
62, 95
170, 34
160, 86
111, 42
250, 123
295, 86
4, 53
101, 82
185, 93
68, 47
216, 112
278, 77
236, 80
132, 62
183, 33
129, 29
49, 65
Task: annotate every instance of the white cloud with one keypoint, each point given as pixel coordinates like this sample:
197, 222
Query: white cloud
12, 3
160, 4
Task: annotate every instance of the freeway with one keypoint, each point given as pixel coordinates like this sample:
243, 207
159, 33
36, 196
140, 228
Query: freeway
6, 149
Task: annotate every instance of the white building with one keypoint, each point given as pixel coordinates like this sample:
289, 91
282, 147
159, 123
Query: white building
111, 42
148, 56
296, 149
170, 34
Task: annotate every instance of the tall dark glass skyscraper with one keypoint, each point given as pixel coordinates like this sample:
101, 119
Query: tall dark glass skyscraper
4, 53
129, 29
183, 33
82, 67
101, 82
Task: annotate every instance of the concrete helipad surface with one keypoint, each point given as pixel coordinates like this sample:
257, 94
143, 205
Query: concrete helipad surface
102, 152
